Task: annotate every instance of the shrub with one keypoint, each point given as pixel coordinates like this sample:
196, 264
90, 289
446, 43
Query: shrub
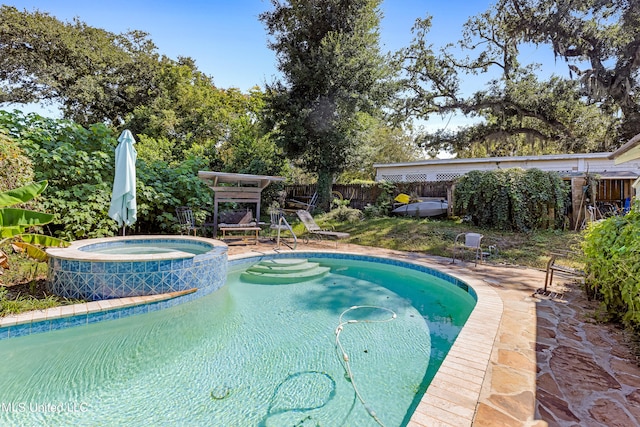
512, 199
612, 250
344, 214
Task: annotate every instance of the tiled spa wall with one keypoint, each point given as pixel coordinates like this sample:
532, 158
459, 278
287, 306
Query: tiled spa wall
99, 280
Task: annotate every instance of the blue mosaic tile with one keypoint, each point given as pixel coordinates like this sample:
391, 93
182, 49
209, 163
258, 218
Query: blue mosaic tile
125, 312
97, 267
4, 333
111, 315
76, 320
165, 265
42, 326
96, 317
111, 267
125, 267
149, 267
138, 267
140, 309
20, 330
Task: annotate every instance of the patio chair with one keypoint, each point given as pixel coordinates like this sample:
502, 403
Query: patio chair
279, 223
315, 230
186, 220
467, 242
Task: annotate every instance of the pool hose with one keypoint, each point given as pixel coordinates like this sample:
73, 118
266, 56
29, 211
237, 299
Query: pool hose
344, 357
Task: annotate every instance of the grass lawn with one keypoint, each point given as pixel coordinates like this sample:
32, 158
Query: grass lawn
436, 237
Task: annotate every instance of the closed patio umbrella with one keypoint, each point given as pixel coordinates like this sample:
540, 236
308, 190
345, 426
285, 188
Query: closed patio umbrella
123, 199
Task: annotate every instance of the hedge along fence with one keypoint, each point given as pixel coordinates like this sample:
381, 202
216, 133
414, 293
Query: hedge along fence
512, 199
362, 194
612, 251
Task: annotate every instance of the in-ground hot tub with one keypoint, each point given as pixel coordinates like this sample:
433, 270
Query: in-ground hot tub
118, 267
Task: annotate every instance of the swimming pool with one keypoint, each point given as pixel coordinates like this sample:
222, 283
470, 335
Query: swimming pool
197, 363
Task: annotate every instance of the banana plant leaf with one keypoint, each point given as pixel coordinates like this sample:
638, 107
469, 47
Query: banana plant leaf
32, 251
42, 240
10, 231
22, 194
11, 217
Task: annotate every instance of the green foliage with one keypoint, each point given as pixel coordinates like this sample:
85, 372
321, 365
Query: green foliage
95, 75
14, 222
78, 163
329, 57
162, 188
597, 39
79, 166
16, 169
23, 303
344, 214
612, 250
384, 202
512, 199
520, 114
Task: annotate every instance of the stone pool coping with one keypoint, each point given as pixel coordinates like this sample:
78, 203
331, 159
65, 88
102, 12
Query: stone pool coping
75, 252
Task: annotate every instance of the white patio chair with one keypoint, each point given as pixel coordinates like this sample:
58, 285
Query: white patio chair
470, 242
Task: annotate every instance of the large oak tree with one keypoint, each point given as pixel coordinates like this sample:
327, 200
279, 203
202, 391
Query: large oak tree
96, 76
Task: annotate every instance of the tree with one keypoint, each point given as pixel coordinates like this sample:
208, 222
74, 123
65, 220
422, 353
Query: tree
192, 117
95, 76
328, 53
521, 115
599, 40
384, 144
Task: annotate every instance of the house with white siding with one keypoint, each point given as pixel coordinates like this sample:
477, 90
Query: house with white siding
615, 179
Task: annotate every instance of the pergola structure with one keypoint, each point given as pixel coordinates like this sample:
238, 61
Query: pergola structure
236, 188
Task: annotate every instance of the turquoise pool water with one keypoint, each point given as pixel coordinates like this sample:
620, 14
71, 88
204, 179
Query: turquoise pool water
158, 247
245, 355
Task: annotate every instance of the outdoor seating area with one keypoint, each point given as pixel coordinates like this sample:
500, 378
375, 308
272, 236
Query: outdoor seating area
239, 222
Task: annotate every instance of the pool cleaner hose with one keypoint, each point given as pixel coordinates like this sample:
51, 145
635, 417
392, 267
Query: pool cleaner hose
344, 357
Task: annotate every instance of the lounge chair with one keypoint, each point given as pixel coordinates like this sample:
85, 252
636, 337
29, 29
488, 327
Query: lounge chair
315, 230
467, 241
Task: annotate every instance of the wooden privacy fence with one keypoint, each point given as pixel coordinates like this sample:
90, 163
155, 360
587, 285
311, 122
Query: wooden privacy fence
362, 194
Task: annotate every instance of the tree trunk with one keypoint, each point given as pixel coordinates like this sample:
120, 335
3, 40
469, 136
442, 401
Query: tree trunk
325, 182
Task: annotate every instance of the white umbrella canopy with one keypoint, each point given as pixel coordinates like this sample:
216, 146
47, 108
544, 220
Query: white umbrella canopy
123, 207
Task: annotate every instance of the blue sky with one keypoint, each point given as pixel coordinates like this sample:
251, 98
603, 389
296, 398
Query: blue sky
229, 43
